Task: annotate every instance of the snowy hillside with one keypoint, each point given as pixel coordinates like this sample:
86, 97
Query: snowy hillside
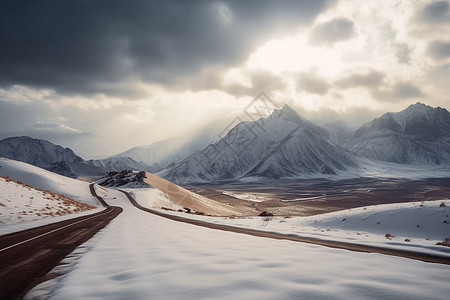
61, 160
22, 203
281, 145
418, 134
48, 156
118, 164
39, 153
46, 180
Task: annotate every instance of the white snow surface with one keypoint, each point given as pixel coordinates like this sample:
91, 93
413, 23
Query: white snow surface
143, 256
422, 224
24, 204
46, 180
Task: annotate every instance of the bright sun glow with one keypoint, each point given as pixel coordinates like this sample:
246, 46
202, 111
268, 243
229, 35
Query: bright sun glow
294, 54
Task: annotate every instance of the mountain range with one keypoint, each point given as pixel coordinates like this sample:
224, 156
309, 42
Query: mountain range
287, 145
418, 134
62, 160
164, 153
281, 145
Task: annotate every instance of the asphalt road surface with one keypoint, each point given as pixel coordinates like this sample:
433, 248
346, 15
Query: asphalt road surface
27, 256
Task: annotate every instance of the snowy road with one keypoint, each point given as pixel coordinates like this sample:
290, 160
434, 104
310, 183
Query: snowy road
143, 256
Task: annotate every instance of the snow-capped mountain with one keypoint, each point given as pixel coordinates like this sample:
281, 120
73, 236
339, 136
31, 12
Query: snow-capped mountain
340, 132
162, 153
37, 152
60, 160
281, 145
418, 134
119, 163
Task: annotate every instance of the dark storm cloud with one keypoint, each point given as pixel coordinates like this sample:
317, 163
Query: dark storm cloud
313, 84
399, 92
329, 33
438, 50
84, 47
370, 79
435, 12
261, 80
374, 82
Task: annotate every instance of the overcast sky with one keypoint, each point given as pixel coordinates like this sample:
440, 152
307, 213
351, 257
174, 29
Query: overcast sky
134, 72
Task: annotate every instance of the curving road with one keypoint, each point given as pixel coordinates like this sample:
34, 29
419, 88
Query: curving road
333, 244
27, 256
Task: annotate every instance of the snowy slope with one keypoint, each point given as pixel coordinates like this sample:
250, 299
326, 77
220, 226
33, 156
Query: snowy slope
142, 256
340, 132
281, 145
61, 160
418, 134
48, 156
39, 153
414, 220
118, 164
46, 180
22, 203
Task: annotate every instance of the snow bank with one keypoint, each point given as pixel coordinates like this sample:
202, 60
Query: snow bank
46, 180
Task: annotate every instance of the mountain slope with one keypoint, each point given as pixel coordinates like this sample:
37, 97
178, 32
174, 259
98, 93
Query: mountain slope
117, 164
281, 145
418, 134
63, 161
37, 152
162, 153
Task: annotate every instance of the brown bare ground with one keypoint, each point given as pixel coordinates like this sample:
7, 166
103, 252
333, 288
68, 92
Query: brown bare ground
323, 196
77, 206
185, 198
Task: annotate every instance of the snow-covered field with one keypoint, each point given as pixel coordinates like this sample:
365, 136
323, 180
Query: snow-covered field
43, 198
413, 226
142, 256
23, 203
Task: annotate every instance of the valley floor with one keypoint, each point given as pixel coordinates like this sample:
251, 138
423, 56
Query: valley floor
308, 197
142, 256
